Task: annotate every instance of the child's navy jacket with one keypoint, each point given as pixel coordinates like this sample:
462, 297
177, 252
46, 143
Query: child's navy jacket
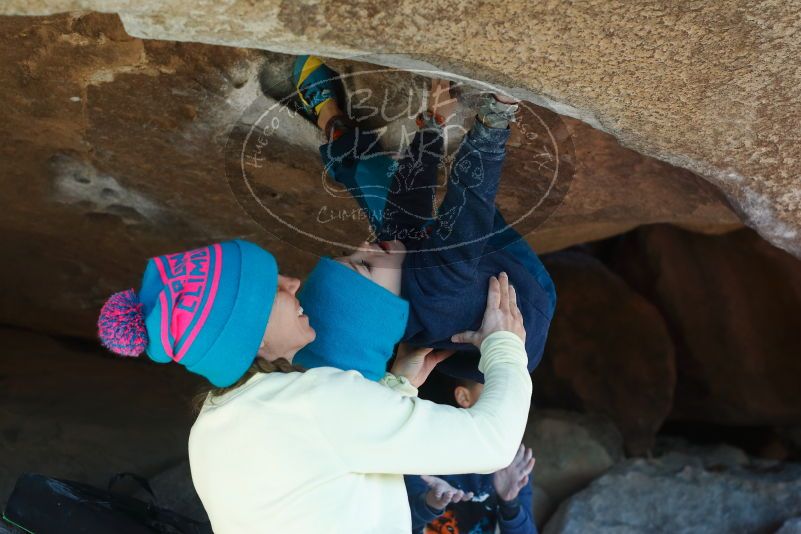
478, 516
446, 275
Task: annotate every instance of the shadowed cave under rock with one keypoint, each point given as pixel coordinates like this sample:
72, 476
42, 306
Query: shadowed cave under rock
671, 367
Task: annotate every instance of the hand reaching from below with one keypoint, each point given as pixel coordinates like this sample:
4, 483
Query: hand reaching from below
441, 494
509, 481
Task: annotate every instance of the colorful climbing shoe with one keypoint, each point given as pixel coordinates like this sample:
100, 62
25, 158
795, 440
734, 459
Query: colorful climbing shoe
494, 113
314, 84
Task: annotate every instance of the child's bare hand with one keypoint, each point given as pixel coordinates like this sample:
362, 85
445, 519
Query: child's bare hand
441, 494
501, 314
509, 481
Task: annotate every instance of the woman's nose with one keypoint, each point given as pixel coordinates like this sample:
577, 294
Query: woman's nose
289, 284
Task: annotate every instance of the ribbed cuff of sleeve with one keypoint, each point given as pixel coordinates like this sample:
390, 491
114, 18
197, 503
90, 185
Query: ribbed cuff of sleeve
400, 384
502, 347
430, 513
508, 509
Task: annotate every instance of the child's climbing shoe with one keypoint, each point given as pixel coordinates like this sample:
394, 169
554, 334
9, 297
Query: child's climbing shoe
314, 84
494, 113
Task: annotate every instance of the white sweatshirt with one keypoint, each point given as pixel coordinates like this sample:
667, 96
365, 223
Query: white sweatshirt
325, 450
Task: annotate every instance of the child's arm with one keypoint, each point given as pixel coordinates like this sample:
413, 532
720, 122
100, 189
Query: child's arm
422, 514
523, 522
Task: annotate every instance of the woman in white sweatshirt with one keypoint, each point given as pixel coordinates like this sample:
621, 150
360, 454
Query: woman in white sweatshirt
278, 450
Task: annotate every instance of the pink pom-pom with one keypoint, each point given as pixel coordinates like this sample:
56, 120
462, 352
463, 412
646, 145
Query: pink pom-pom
121, 325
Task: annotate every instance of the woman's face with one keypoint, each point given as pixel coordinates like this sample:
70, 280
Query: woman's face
288, 328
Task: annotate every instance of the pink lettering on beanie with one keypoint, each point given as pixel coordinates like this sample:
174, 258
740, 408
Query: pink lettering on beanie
190, 287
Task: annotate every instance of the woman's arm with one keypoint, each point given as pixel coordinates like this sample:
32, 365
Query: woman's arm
375, 430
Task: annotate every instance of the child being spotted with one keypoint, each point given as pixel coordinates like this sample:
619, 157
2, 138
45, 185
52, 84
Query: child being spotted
440, 264
475, 503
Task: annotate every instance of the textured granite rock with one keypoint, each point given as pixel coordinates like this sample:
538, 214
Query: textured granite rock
571, 450
681, 493
68, 410
791, 526
708, 86
114, 150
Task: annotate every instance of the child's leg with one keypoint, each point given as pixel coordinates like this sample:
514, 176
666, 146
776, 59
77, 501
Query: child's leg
354, 159
411, 197
352, 155
467, 213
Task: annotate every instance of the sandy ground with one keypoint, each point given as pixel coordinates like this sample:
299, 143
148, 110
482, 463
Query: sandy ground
70, 410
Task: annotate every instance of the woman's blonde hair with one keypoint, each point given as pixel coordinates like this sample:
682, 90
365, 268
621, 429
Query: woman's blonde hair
259, 365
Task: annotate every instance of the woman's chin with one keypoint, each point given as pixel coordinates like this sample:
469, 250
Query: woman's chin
309, 332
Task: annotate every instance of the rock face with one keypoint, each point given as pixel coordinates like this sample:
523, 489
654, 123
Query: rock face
615, 189
114, 151
608, 351
70, 411
734, 317
571, 450
680, 493
791, 526
710, 87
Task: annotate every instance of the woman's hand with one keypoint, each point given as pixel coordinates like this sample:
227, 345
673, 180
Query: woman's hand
417, 363
441, 494
501, 314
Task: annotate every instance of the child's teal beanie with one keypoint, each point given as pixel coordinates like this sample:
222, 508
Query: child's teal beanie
357, 321
206, 309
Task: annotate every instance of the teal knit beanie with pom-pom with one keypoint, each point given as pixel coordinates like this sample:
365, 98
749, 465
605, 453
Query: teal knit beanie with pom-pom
206, 309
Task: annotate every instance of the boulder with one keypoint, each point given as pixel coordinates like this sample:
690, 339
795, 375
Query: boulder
615, 189
791, 526
541, 505
608, 351
682, 493
711, 456
571, 450
731, 303
711, 87
68, 410
115, 150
